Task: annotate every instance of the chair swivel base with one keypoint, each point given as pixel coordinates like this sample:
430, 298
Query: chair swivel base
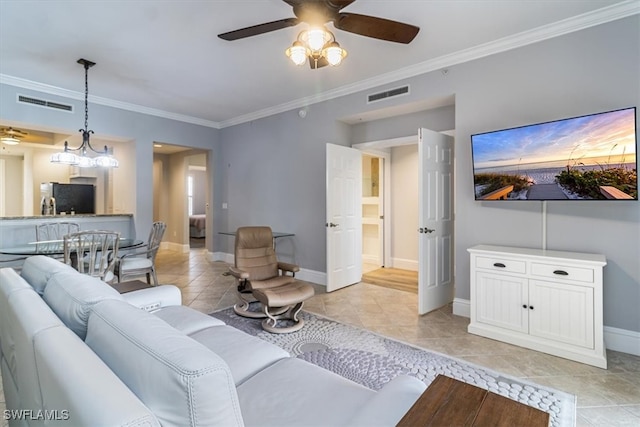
244, 307
288, 299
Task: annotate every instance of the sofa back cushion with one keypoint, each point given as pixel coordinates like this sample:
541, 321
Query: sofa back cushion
23, 315
80, 389
71, 296
38, 269
181, 381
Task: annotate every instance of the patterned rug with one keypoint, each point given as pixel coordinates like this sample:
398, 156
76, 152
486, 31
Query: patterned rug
373, 360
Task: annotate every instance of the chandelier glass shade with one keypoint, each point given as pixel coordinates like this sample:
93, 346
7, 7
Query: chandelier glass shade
316, 44
81, 156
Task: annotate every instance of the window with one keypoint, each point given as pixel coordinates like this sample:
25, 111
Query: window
190, 193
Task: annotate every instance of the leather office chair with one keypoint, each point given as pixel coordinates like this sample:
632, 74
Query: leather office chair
265, 283
92, 252
133, 264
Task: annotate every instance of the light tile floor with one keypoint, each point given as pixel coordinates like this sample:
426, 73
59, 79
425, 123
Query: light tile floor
605, 397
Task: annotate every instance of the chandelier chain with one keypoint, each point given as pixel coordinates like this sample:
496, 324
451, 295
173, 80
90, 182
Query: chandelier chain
86, 97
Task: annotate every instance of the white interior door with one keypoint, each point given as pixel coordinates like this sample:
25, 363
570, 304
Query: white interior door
435, 242
344, 216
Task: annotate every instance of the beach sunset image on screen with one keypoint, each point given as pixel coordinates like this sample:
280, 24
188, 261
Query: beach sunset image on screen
587, 157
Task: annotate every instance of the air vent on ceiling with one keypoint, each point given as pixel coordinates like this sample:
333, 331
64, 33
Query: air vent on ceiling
388, 94
44, 103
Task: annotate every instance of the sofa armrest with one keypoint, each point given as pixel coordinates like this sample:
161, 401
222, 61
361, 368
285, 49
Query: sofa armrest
151, 299
390, 403
285, 266
238, 274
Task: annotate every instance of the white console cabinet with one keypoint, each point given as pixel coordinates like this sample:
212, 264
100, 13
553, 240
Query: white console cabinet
550, 301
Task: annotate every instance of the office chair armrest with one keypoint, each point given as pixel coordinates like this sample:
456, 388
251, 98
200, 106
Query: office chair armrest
237, 273
285, 266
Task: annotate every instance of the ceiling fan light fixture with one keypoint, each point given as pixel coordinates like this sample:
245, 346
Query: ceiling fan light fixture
298, 53
334, 54
10, 140
316, 38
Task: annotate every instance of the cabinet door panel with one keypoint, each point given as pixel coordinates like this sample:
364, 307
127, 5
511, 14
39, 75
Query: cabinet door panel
561, 312
500, 299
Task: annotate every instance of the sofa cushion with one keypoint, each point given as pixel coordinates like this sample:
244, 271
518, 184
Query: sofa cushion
244, 354
38, 269
71, 296
23, 315
186, 319
179, 379
74, 379
294, 392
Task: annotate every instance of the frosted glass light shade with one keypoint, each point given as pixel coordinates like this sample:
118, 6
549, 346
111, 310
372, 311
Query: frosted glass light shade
297, 53
317, 38
86, 162
65, 158
105, 162
10, 140
334, 54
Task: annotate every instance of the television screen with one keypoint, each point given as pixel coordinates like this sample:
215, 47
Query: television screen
588, 157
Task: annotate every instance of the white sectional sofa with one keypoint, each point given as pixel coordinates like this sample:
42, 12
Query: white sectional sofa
75, 352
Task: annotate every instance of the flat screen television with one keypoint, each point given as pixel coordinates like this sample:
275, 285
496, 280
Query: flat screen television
590, 157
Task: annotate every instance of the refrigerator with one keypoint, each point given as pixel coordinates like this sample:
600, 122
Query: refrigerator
76, 198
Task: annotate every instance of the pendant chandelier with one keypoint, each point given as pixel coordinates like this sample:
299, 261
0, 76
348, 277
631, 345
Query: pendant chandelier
319, 45
87, 156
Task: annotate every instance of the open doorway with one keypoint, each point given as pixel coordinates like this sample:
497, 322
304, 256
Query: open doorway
390, 217
181, 189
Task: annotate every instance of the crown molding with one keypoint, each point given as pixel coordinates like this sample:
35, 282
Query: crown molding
569, 25
65, 93
580, 22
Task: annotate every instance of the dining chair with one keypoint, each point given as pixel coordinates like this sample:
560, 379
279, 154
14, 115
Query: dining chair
141, 262
92, 252
55, 230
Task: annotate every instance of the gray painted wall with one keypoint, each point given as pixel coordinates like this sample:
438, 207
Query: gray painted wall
139, 131
275, 167
272, 170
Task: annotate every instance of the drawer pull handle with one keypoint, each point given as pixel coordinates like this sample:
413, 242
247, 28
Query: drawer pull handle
499, 264
561, 273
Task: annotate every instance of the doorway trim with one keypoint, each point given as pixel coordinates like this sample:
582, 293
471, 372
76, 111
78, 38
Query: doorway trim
381, 149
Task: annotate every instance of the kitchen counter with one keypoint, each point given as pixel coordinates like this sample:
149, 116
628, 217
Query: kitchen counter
20, 230
61, 217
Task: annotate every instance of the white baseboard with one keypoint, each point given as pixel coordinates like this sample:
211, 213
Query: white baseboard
312, 276
370, 259
615, 339
404, 264
462, 307
177, 247
622, 340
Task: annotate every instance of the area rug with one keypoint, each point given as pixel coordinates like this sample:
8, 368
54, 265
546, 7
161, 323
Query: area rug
373, 360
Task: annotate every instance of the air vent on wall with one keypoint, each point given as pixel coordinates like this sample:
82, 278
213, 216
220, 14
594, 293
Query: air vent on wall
44, 103
388, 94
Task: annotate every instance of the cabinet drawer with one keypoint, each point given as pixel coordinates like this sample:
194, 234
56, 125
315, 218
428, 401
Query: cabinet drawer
501, 264
562, 272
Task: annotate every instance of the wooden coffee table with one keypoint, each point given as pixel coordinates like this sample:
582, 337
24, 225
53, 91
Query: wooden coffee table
449, 402
130, 286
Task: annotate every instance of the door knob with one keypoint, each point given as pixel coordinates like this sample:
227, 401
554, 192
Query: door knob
330, 224
428, 230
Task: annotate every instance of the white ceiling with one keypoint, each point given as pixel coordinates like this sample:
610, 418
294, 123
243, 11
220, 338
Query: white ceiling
164, 57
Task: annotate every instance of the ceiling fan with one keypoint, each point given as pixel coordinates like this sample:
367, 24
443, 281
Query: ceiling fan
320, 12
11, 136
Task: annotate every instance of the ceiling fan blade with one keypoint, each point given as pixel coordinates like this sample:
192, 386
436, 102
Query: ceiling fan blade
259, 29
321, 62
378, 28
331, 4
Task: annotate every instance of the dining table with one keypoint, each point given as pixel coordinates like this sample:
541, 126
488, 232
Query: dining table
56, 247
